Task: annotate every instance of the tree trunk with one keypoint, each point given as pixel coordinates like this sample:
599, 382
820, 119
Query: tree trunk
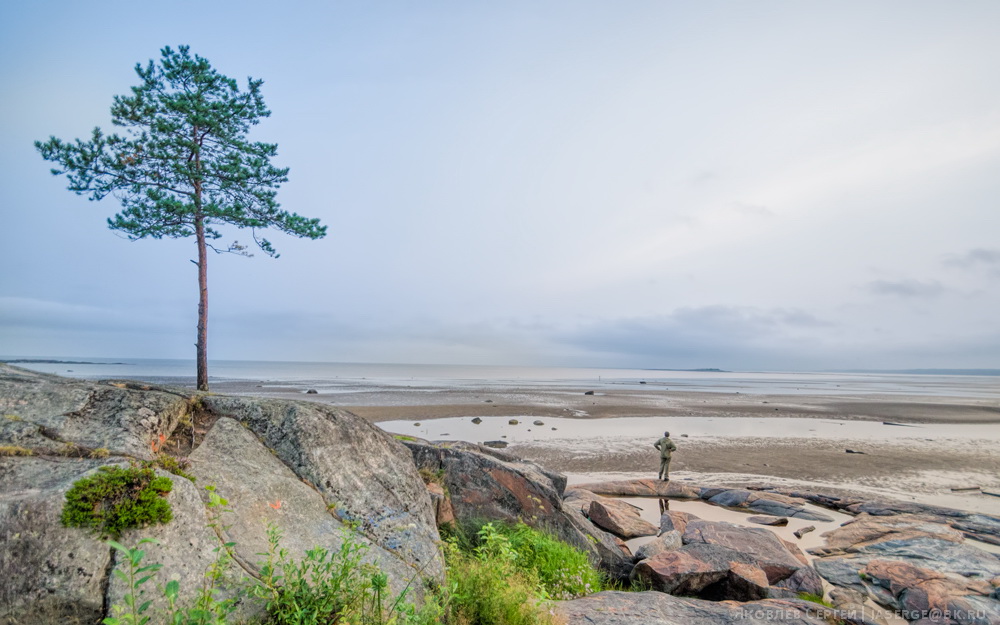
202, 345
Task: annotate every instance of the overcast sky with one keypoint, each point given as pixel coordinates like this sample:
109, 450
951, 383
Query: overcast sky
746, 185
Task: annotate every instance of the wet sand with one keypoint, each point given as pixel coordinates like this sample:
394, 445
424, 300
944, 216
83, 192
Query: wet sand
911, 463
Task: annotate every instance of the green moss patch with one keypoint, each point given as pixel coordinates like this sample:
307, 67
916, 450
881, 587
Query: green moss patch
116, 499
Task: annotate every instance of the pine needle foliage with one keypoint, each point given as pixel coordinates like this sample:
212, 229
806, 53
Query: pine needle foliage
183, 165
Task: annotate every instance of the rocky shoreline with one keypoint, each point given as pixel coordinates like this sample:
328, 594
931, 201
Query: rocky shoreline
313, 470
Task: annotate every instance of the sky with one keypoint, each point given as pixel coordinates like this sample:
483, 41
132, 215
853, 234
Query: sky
763, 185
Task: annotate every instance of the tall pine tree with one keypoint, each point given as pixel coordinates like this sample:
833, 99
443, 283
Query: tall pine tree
183, 165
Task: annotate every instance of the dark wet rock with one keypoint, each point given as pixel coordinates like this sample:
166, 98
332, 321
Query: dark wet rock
538, 422
312, 391
657, 608
852, 451
513, 422
802, 531
769, 520
477, 420
588, 392
619, 518
496, 444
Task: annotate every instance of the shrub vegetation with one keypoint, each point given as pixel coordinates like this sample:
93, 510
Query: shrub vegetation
116, 499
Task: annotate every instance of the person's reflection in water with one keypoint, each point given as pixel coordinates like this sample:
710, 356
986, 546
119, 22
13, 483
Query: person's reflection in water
664, 505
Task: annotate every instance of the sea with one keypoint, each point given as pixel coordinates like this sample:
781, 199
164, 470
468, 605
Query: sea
333, 377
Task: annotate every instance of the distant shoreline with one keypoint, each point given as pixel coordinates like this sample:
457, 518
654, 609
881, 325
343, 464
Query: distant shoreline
44, 361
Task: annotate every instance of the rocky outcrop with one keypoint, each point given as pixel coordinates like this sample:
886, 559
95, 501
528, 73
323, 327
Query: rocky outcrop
307, 469
657, 608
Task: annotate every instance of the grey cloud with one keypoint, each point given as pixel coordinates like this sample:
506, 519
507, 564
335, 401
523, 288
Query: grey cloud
725, 336
906, 288
978, 258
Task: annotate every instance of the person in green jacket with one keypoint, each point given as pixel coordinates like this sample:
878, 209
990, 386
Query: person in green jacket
665, 445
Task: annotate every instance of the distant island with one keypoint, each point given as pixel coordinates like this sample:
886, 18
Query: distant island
693, 370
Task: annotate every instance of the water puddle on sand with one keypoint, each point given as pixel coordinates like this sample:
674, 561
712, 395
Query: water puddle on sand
528, 429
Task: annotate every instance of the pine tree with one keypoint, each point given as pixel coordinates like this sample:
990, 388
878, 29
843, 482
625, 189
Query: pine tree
184, 166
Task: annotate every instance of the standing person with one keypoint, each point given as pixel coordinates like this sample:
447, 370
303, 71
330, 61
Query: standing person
665, 445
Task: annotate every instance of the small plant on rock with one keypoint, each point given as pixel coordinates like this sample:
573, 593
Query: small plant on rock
116, 499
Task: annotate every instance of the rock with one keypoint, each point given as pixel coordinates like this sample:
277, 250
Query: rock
263, 492
490, 484
656, 608
644, 488
588, 392
769, 520
312, 391
477, 420
867, 530
364, 474
619, 518
851, 451
604, 549
538, 422
705, 571
668, 541
51, 574
496, 444
675, 520
917, 590
186, 548
444, 514
513, 422
123, 418
802, 531
779, 560
488, 401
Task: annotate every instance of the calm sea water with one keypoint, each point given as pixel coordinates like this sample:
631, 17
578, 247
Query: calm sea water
353, 377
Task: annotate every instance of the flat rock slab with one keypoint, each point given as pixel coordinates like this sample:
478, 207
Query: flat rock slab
644, 488
770, 521
620, 518
709, 572
656, 608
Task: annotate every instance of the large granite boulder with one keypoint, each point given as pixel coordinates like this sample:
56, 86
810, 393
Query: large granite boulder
657, 608
605, 549
263, 493
788, 571
620, 518
364, 475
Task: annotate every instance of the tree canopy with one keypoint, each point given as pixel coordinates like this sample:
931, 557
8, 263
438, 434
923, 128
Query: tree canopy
183, 165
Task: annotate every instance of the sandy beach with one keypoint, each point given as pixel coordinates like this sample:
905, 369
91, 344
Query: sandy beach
913, 447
